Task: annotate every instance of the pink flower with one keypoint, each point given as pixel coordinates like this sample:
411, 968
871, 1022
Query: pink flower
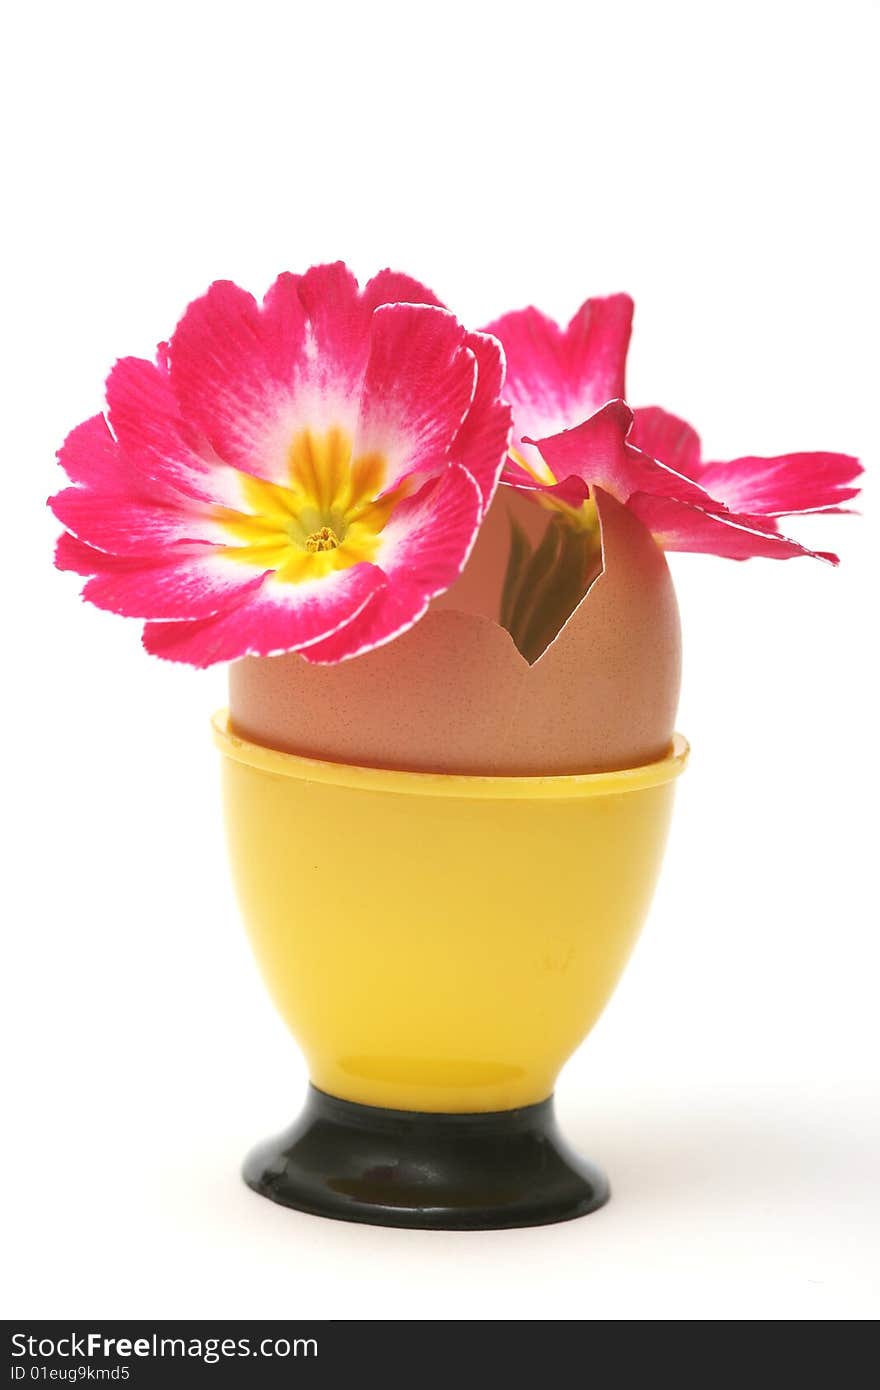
302, 475
779, 486
572, 430
557, 377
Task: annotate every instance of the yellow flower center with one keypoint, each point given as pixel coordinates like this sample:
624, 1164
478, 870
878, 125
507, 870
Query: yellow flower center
325, 539
327, 516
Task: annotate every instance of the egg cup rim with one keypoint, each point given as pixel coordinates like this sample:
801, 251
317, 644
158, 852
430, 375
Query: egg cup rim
358, 776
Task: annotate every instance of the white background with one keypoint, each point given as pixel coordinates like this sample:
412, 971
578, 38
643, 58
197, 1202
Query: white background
720, 164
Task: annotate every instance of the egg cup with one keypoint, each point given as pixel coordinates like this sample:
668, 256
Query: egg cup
439, 945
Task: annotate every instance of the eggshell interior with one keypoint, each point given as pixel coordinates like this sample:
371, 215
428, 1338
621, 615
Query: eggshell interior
478, 589
454, 695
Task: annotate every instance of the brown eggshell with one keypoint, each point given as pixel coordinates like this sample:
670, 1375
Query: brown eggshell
454, 695
478, 589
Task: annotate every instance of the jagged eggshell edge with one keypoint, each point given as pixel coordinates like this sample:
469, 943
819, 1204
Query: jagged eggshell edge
454, 695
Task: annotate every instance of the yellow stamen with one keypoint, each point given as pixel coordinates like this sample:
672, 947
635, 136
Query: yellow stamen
329, 514
582, 518
534, 464
324, 539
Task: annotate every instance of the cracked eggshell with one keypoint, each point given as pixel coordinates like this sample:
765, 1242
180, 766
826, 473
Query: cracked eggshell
478, 588
454, 695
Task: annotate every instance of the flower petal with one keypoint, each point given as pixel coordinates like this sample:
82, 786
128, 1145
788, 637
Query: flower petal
778, 486
678, 525
124, 525
390, 613
253, 377
482, 441
667, 438
784, 485
555, 376
598, 452
234, 372
338, 336
429, 537
197, 584
164, 459
90, 455
78, 558
596, 344
187, 582
277, 617
572, 491
419, 384
392, 287
425, 547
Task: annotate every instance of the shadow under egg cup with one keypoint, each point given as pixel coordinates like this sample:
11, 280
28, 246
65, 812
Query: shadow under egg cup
438, 945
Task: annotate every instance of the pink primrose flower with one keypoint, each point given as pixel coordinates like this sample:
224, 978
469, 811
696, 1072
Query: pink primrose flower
304, 474
572, 430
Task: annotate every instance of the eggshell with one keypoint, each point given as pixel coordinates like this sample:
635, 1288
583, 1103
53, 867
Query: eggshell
478, 589
454, 695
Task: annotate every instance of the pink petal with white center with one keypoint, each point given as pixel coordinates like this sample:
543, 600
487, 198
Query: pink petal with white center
678, 525
596, 344
129, 525
536, 382
598, 452
338, 321
251, 377
668, 439
281, 326
338, 334
787, 484
165, 459
234, 371
482, 441
425, 547
557, 377
277, 617
419, 385
429, 536
189, 582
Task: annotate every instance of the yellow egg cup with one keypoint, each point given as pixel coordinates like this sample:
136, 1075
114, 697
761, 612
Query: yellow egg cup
438, 945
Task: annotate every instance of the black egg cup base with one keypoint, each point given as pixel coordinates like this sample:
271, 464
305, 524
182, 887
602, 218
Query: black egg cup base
452, 1172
